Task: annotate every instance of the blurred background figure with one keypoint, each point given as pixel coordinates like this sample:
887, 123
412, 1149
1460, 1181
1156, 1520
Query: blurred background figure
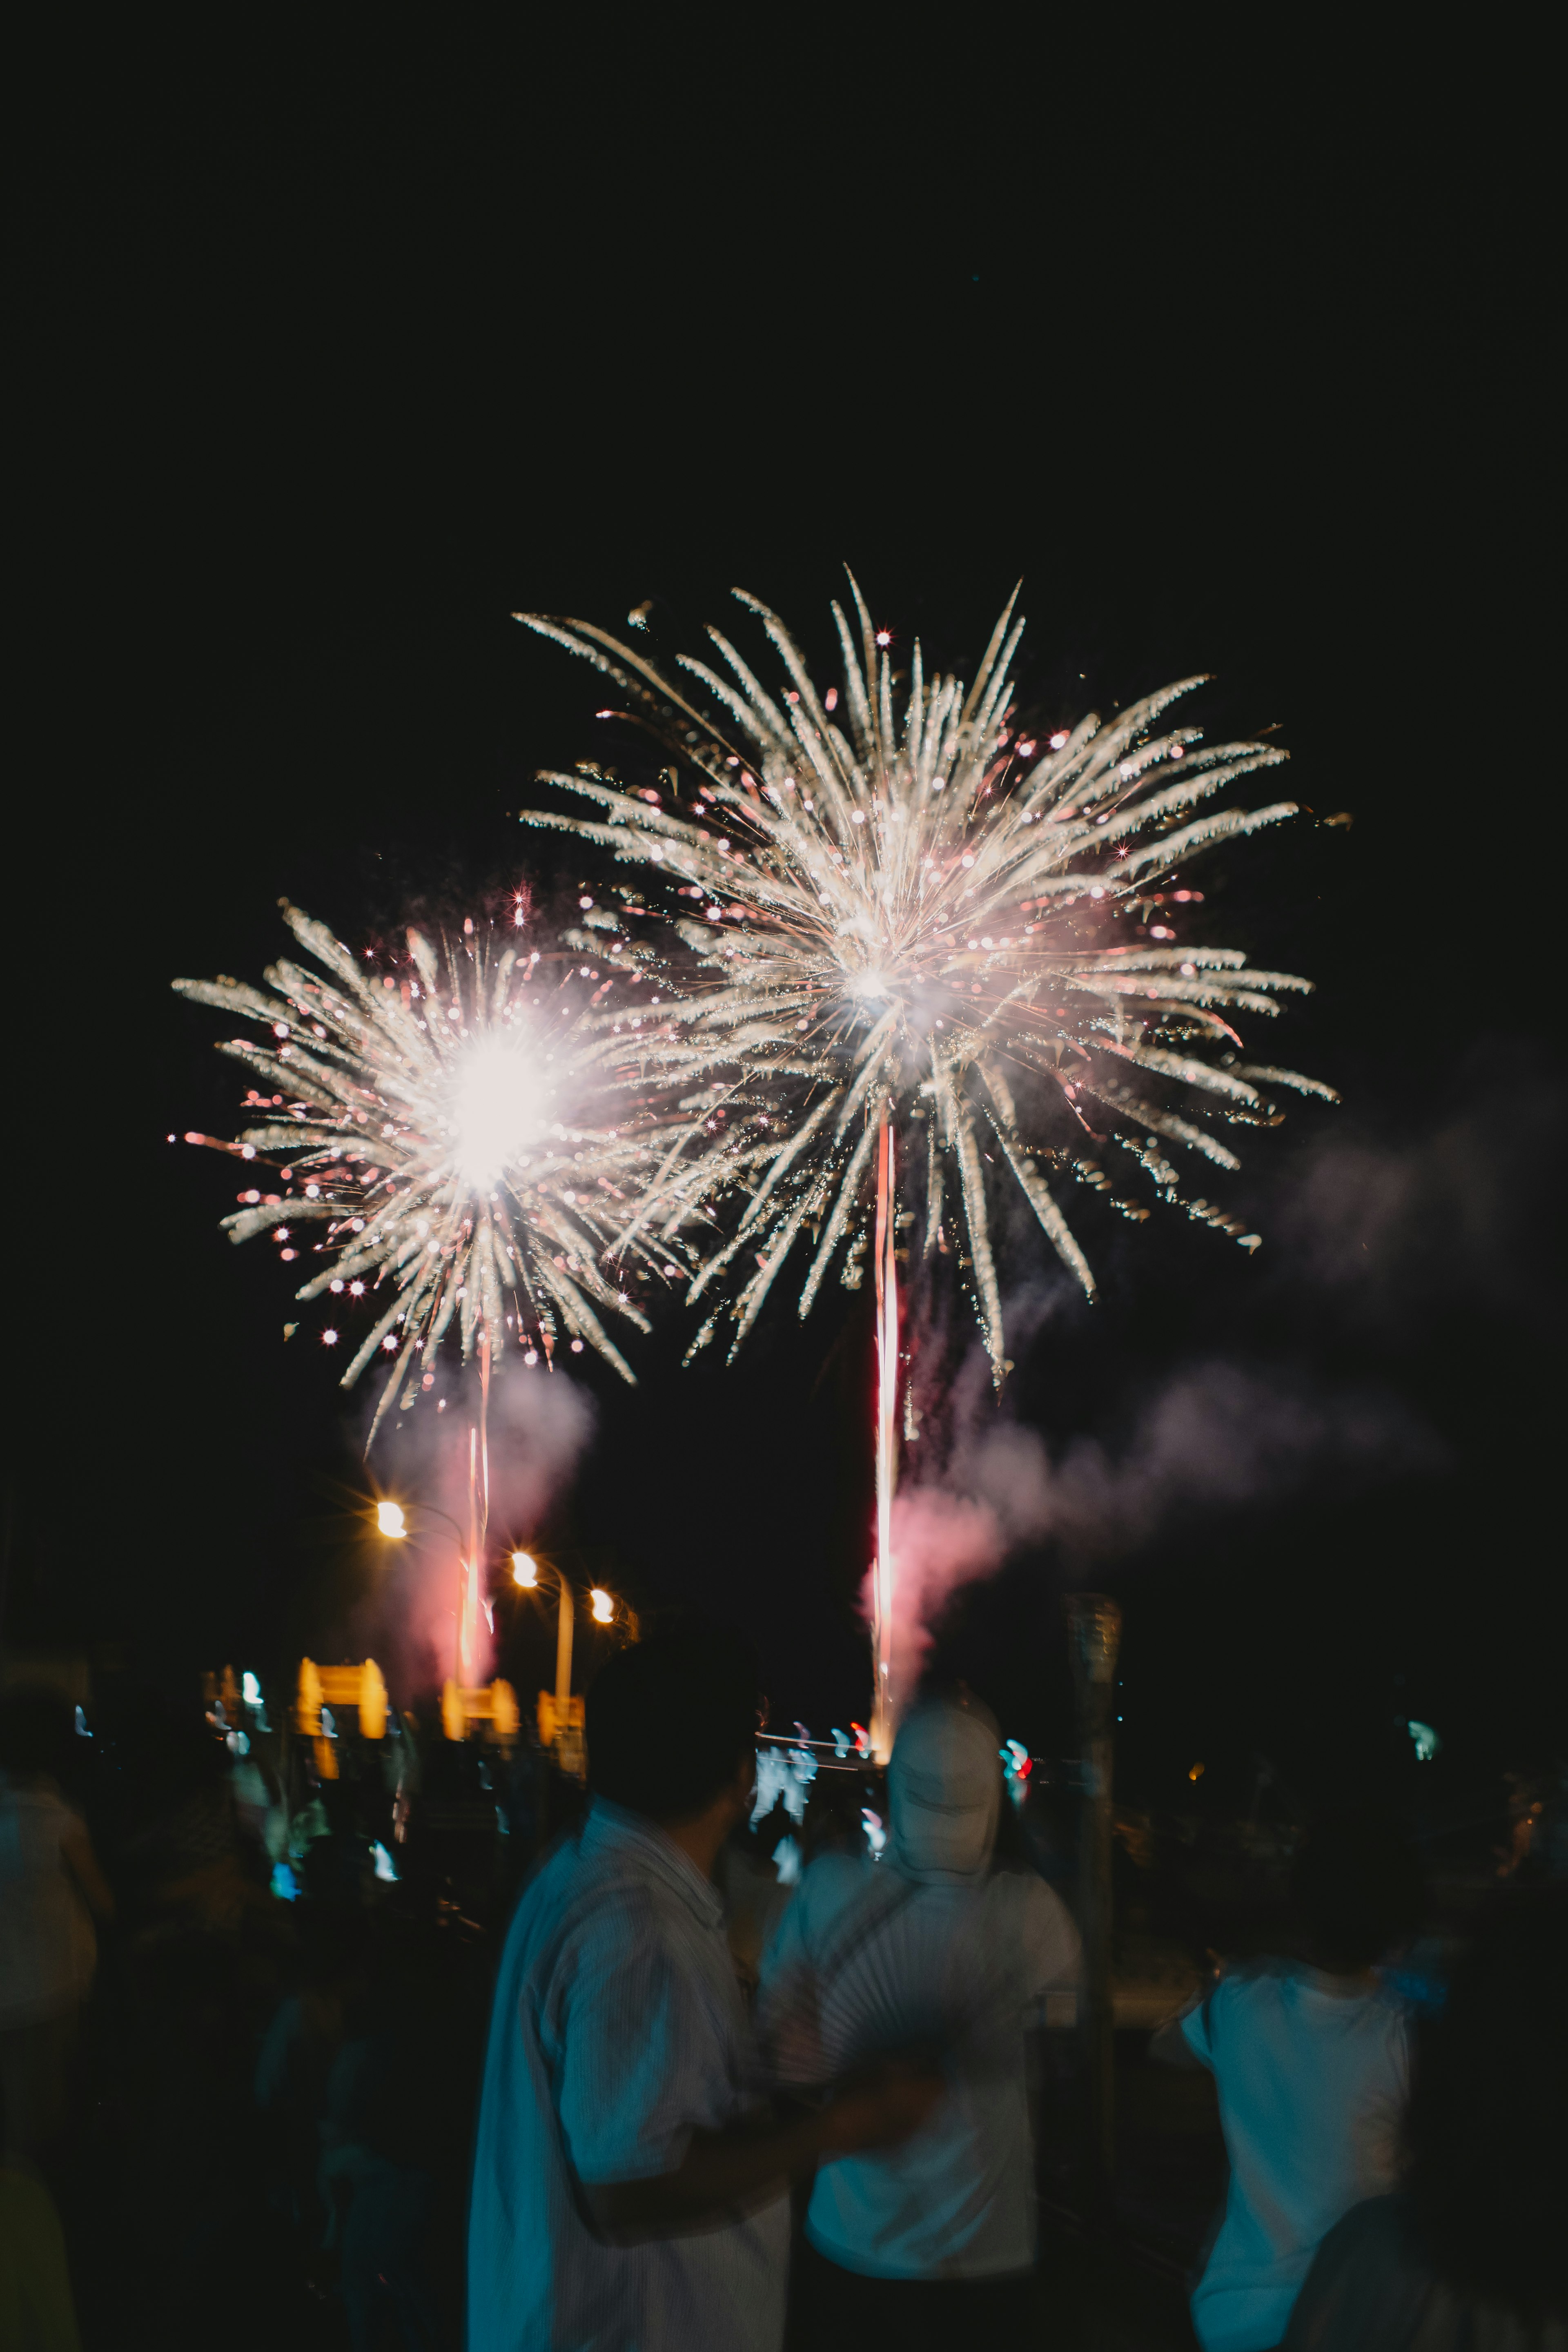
932, 1947
1310, 2059
51, 1889
1472, 2254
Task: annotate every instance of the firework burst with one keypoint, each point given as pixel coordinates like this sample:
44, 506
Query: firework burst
923, 945
457, 1135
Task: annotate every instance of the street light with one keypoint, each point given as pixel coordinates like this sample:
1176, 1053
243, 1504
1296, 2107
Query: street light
392, 1521
561, 1716
526, 1572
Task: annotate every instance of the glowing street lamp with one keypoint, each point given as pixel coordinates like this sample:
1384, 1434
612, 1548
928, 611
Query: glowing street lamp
561, 1715
392, 1521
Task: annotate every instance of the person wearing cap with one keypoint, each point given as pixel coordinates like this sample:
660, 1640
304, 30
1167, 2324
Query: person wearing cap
934, 1948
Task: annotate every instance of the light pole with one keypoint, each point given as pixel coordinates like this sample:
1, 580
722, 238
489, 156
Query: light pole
1095, 1632
392, 1521
561, 1718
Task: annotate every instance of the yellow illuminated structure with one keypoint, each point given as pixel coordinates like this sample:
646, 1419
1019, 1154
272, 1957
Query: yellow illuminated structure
492, 1703
360, 1686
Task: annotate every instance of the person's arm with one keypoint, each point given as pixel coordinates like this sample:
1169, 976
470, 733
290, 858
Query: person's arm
1170, 2047
82, 1862
1053, 1957
725, 2173
1187, 2038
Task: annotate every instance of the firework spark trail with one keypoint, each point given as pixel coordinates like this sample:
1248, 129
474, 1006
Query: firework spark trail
906, 914
922, 914
438, 1129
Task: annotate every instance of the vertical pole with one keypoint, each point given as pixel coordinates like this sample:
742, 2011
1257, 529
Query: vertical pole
884, 1704
1095, 1630
562, 1651
469, 1595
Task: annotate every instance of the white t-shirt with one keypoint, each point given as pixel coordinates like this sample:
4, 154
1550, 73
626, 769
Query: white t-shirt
617, 2029
47, 1949
865, 1960
1311, 2084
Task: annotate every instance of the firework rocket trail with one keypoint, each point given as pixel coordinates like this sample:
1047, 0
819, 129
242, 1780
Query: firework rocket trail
907, 915
437, 1129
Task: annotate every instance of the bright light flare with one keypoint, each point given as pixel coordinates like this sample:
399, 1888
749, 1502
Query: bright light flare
603, 1606
389, 1518
501, 1107
524, 1570
457, 1130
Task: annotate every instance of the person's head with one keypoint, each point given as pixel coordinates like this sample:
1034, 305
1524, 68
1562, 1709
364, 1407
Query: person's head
36, 1727
1484, 2131
671, 1723
1357, 1890
944, 1790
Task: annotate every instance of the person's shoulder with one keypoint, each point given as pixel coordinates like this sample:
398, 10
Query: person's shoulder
838, 1873
1036, 1893
829, 1886
571, 1890
1262, 1980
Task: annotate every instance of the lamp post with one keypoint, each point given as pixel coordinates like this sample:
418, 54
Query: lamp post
525, 1572
561, 1716
392, 1521
1094, 1623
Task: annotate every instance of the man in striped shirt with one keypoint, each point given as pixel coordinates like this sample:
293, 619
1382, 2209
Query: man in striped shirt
932, 2241
630, 2185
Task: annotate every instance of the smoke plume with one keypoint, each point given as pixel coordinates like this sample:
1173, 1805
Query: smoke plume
1216, 1437
540, 1424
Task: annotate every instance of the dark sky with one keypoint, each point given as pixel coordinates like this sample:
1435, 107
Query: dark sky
330, 364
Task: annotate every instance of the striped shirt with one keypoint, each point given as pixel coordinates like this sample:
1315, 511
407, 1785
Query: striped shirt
617, 2029
868, 1960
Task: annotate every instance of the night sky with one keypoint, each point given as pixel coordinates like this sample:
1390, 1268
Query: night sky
327, 367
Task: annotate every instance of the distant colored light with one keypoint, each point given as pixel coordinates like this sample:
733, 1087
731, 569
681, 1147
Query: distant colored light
389, 1518
250, 1690
1195, 1772
524, 1569
1058, 739
603, 1607
884, 637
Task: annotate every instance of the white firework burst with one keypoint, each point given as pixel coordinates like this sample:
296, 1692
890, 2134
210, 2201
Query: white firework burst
908, 918
457, 1137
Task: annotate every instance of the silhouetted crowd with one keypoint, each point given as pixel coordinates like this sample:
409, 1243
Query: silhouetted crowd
414, 2044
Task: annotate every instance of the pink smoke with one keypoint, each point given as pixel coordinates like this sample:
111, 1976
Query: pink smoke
540, 1422
1216, 1436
